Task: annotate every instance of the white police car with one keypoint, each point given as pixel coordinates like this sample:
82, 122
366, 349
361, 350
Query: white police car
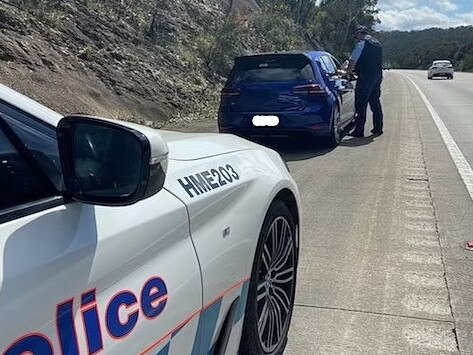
119, 238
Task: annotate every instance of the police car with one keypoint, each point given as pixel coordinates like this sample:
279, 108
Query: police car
118, 238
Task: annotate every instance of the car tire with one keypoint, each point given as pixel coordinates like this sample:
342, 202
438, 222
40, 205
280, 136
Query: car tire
272, 286
335, 136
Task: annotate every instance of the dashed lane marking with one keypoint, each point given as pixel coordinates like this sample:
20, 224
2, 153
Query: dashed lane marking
462, 165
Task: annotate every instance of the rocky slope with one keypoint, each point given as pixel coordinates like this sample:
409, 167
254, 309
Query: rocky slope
99, 57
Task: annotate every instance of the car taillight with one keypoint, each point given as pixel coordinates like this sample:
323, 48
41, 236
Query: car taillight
230, 92
309, 89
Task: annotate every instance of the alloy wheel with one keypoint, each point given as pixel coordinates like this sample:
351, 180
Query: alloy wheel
336, 126
275, 290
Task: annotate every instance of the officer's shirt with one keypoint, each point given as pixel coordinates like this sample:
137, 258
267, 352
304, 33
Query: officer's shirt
358, 50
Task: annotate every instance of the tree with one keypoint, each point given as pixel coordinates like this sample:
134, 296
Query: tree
417, 49
334, 21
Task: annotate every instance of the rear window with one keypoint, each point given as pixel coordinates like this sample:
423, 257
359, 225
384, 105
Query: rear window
268, 70
442, 62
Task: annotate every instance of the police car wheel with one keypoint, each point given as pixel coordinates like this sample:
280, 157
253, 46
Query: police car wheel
272, 286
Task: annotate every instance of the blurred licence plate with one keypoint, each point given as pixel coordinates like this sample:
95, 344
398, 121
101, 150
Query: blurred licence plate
265, 121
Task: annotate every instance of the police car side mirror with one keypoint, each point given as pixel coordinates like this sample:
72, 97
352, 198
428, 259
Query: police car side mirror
110, 163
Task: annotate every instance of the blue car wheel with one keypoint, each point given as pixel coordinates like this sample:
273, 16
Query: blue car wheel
335, 136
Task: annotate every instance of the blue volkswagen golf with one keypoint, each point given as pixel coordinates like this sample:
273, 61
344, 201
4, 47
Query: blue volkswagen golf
287, 95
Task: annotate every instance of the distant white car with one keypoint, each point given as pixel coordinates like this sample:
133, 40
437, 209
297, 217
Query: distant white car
441, 68
119, 238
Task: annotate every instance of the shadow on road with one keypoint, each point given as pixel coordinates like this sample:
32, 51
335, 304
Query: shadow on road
299, 150
292, 150
357, 142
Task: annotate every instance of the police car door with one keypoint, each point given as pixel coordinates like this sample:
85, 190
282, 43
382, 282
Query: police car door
78, 279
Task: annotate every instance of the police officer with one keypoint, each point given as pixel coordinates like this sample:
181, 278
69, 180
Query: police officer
367, 61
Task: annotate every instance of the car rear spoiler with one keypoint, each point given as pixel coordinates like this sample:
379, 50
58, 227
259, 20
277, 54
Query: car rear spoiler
271, 56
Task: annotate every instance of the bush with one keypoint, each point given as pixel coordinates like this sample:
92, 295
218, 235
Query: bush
274, 32
466, 64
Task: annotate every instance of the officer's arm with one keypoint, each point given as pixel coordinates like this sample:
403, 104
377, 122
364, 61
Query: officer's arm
355, 56
351, 65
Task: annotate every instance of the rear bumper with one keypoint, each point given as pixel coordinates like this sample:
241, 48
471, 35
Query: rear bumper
291, 125
263, 132
446, 72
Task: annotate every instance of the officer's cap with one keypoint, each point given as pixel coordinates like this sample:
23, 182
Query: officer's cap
360, 30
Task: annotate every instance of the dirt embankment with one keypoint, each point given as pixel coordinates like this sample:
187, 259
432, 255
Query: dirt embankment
74, 56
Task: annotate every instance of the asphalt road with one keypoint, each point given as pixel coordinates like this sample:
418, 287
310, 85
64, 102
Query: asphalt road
382, 268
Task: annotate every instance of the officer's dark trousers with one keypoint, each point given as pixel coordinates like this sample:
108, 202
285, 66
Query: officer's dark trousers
368, 91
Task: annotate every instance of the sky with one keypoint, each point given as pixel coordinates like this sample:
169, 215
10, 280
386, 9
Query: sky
406, 15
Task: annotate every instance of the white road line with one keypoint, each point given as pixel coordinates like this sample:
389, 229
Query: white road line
461, 163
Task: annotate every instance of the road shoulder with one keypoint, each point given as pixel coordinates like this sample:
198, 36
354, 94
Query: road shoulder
454, 214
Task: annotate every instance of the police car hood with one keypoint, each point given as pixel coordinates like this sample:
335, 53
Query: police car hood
192, 146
